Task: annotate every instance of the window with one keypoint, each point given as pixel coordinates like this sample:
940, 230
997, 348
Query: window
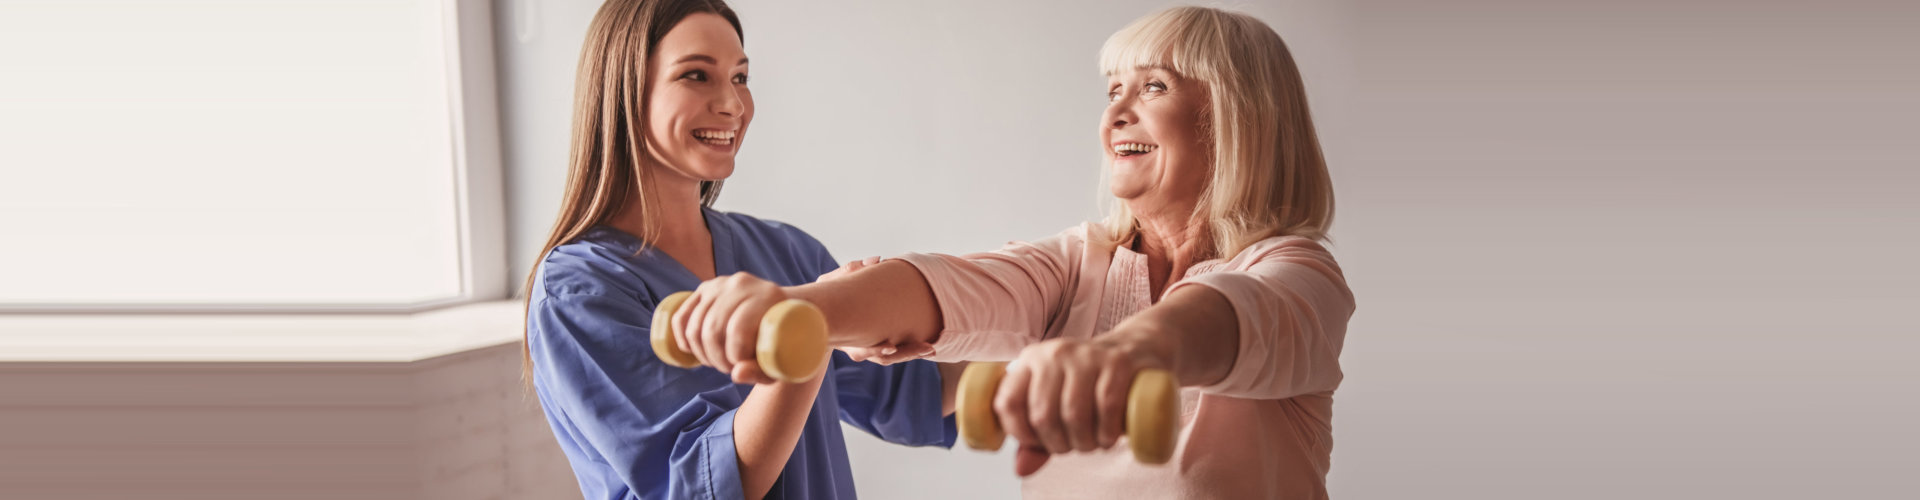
265, 155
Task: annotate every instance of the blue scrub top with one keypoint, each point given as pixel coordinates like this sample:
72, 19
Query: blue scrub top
636, 427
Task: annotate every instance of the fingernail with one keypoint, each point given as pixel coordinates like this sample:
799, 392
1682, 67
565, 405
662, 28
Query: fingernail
888, 351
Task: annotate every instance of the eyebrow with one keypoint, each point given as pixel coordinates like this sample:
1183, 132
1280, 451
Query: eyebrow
706, 59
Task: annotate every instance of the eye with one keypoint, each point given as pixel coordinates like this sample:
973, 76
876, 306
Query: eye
1156, 87
695, 75
1113, 93
740, 79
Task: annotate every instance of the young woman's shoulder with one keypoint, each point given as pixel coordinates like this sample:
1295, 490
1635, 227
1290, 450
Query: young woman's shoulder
769, 229
778, 237
602, 261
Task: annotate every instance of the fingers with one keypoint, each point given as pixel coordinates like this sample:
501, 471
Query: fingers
685, 321
856, 265
1111, 399
886, 354
849, 268
743, 327
1077, 410
905, 352
866, 353
1010, 406
1073, 394
1043, 410
720, 324
714, 334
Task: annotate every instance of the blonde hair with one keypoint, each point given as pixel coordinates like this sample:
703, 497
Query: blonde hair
605, 172
1269, 177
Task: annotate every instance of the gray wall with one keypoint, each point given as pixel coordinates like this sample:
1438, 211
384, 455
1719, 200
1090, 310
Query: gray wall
1655, 249
1632, 249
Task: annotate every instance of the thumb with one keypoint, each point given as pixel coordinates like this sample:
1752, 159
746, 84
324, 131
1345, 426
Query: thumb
1028, 460
748, 372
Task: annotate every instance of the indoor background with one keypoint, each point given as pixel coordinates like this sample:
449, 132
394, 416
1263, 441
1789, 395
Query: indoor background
1600, 249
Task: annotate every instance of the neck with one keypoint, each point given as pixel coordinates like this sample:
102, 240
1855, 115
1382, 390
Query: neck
680, 227
1171, 246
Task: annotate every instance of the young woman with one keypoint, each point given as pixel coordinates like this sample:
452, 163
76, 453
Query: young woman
662, 105
1210, 267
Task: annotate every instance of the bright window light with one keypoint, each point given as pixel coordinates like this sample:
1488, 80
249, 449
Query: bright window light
260, 154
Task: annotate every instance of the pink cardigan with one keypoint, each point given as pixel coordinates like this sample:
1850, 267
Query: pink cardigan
1265, 431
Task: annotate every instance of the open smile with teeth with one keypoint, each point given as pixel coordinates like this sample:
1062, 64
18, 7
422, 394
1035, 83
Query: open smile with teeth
714, 137
1133, 148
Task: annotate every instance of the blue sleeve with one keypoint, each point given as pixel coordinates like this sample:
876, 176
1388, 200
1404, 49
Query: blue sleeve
898, 403
664, 431
813, 255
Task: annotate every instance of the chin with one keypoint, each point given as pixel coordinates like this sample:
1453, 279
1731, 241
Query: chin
1125, 190
714, 171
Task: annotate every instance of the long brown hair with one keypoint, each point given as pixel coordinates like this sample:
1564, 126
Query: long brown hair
605, 172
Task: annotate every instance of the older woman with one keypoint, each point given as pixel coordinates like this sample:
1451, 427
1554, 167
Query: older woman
1209, 267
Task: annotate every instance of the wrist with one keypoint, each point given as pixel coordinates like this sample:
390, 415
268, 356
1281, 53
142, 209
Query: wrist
838, 334
1151, 344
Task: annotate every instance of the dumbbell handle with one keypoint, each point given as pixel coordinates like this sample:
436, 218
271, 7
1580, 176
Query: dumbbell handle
792, 346
1153, 410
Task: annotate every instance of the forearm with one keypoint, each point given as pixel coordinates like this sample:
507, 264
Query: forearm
1194, 328
888, 303
765, 429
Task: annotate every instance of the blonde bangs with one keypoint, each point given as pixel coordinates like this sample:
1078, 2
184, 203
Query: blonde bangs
1174, 39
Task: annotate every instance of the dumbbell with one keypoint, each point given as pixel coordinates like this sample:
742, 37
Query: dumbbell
1153, 405
792, 346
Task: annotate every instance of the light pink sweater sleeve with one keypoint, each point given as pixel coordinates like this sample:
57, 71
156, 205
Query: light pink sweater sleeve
995, 303
1293, 305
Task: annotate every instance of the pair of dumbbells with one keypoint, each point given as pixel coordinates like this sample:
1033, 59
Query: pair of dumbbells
793, 348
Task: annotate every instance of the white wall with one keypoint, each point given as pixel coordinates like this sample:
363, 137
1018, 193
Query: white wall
1650, 249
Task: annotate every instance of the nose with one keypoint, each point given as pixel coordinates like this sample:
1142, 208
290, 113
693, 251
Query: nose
729, 104
1119, 115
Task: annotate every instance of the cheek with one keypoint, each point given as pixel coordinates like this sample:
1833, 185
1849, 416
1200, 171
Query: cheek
664, 110
1187, 167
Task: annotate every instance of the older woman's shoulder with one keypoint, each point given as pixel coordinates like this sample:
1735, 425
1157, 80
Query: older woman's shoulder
1085, 234
1283, 248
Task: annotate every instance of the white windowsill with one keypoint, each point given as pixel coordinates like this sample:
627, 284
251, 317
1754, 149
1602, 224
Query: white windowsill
259, 337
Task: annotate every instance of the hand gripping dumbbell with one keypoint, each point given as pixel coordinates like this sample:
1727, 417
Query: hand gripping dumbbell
1153, 405
792, 346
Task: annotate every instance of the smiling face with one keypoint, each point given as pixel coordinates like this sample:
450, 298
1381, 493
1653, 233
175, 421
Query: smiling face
697, 101
1154, 132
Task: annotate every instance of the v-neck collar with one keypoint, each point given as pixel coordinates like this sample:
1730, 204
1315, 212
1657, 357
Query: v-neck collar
724, 262
1134, 276
721, 229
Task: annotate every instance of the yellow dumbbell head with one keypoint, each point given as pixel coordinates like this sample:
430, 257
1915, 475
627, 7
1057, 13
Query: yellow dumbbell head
662, 335
793, 341
973, 406
1153, 412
